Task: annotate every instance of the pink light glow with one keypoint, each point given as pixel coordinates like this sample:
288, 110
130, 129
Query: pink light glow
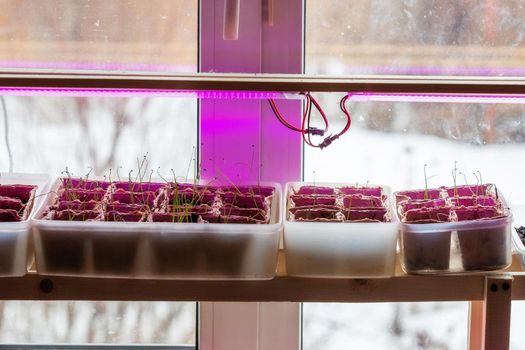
204, 94
435, 98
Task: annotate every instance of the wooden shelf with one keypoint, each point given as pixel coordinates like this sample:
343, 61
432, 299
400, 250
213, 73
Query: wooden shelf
402, 287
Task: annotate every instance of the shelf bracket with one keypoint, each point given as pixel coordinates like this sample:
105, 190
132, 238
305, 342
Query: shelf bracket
489, 327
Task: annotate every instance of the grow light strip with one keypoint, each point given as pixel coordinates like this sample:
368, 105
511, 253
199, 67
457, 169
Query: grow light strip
202, 94
436, 98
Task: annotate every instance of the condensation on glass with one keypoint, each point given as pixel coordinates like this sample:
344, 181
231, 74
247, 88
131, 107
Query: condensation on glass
156, 35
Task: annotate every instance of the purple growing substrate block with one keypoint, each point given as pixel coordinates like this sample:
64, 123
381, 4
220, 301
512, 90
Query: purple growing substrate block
191, 196
11, 203
125, 208
418, 194
82, 195
476, 213
377, 214
244, 200
76, 215
428, 215
22, 192
468, 190
307, 200
198, 209
418, 204
175, 217
360, 201
253, 213
259, 190
485, 201
315, 214
366, 191
138, 186
132, 216
126, 197
77, 205
315, 190
83, 184
9, 215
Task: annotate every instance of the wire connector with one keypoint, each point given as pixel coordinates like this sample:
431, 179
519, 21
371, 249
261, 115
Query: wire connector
327, 141
314, 131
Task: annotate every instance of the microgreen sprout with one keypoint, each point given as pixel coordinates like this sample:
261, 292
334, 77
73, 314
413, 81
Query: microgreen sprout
160, 175
189, 164
454, 176
118, 174
426, 181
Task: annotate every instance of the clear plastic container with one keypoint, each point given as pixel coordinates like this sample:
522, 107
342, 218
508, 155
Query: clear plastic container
14, 242
158, 249
339, 249
456, 247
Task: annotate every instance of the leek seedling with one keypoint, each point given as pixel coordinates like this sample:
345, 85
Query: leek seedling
454, 175
425, 196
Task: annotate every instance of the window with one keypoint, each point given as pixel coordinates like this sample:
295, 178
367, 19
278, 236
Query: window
45, 134
159, 35
390, 142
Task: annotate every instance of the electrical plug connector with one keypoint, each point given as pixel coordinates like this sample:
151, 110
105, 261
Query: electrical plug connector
327, 141
314, 131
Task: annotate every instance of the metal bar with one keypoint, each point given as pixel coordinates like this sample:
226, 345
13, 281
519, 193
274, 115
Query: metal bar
262, 82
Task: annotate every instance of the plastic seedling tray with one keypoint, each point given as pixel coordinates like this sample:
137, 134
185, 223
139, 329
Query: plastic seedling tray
14, 242
437, 245
339, 249
174, 250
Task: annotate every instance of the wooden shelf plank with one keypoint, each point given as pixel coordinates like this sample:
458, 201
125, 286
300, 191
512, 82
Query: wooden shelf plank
399, 288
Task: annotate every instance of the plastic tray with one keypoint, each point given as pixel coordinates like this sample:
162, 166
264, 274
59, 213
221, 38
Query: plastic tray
14, 242
339, 250
456, 247
159, 250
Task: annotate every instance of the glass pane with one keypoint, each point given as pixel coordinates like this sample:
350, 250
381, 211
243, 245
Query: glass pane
427, 37
397, 326
110, 135
516, 326
157, 35
46, 134
86, 322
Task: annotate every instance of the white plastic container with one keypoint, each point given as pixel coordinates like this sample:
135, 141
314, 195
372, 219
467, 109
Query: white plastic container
456, 247
159, 249
14, 242
338, 249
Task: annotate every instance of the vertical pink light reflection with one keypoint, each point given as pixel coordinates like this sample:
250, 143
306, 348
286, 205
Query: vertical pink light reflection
240, 140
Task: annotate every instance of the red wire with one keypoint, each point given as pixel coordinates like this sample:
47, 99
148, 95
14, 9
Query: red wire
342, 105
305, 129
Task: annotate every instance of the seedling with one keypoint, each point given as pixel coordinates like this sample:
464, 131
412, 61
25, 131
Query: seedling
426, 181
